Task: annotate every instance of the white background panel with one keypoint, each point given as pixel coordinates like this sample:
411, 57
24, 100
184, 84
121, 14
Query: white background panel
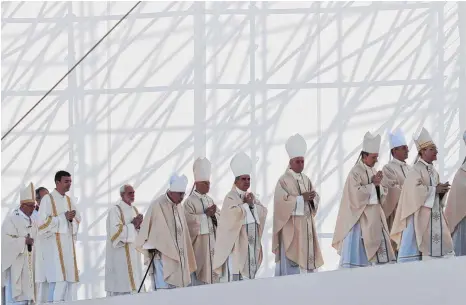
180, 79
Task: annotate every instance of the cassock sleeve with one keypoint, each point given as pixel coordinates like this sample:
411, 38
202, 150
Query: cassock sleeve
119, 233
197, 222
12, 244
390, 180
141, 241
286, 204
235, 212
76, 219
48, 223
361, 194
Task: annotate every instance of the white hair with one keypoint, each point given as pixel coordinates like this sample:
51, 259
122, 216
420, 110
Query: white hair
123, 188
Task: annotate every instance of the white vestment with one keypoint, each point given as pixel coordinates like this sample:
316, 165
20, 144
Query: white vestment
409, 250
57, 237
17, 261
251, 223
123, 265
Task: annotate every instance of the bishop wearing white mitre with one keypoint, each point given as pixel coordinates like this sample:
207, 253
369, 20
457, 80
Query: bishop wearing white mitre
419, 228
18, 235
164, 236
58, 223
394, 173
361, 233
123, 265
238, 248
295, 241
202, 218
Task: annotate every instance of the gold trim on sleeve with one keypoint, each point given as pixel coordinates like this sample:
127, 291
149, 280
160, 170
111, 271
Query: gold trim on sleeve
115, 236
46, 224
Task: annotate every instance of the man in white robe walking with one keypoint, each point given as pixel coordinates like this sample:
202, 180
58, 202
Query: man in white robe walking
18, 234
361, 232
123, 262
164, 235
201, 216
394, 173
420, 229
58, 227
238, 248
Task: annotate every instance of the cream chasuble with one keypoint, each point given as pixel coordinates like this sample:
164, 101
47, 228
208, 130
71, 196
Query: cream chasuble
17, 261
57, 245
238, 248
420, 229
164, 229
295, 241
394, 173
361, 233
123, 265
202, 230
455, 212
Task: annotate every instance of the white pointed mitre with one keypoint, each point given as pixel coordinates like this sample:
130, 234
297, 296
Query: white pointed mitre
423, 139
397, 139
27, 194
371, 144
178, 183
296, 146
202, 169
241, 164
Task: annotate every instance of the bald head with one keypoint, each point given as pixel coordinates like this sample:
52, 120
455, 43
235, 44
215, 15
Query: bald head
127, 193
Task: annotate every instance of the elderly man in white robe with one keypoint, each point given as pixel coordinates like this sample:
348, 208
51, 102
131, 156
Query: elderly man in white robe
164, 239
295, 241
58, 223
238, 248
420, 229
202, 216
123, 265
361, 233
18, 234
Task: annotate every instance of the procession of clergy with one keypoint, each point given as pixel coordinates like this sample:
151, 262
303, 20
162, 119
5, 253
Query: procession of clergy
393, 215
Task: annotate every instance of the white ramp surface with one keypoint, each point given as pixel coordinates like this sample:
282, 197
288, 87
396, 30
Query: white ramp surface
432, 282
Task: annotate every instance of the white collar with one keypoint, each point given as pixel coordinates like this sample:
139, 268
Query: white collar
295, 174
425, 163
368, 168
124, 204
240, 192
169, 200
398, 161
199, 194
57, 193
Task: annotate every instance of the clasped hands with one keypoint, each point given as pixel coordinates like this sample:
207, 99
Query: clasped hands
210, 211
249, 199
377, 178
442, 188
70, 215
137, 221
309, 196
